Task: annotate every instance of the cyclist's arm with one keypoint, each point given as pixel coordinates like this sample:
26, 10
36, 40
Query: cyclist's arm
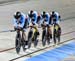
22, 24
22, 21
15, 23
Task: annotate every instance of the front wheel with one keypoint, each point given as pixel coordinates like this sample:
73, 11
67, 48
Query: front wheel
44, 37
18, 44
30, 38
23, 44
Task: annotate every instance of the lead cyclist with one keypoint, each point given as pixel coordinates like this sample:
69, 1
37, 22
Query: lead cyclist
20, 22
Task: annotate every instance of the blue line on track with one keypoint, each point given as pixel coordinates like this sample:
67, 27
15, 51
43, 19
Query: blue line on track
55, 54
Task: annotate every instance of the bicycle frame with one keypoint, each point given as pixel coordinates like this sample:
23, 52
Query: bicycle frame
45, 36
32, 36
56, 34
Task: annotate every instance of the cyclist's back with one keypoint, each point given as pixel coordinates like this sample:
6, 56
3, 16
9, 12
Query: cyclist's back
45, 16
33, 14
55, 15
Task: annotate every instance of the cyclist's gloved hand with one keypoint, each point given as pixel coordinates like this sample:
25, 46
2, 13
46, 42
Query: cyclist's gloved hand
18, 27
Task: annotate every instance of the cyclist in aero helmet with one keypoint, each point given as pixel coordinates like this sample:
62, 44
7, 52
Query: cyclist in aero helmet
45, 16
33, 14
19, 21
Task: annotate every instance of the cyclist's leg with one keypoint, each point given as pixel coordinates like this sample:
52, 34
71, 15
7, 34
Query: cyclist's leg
48, 39
47, 36
18, 32
50, 32
59, 34
18, 41
54, 36
23, 34
30, 38
23, 39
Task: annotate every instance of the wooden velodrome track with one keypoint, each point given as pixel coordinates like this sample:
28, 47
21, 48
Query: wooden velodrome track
7, 39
